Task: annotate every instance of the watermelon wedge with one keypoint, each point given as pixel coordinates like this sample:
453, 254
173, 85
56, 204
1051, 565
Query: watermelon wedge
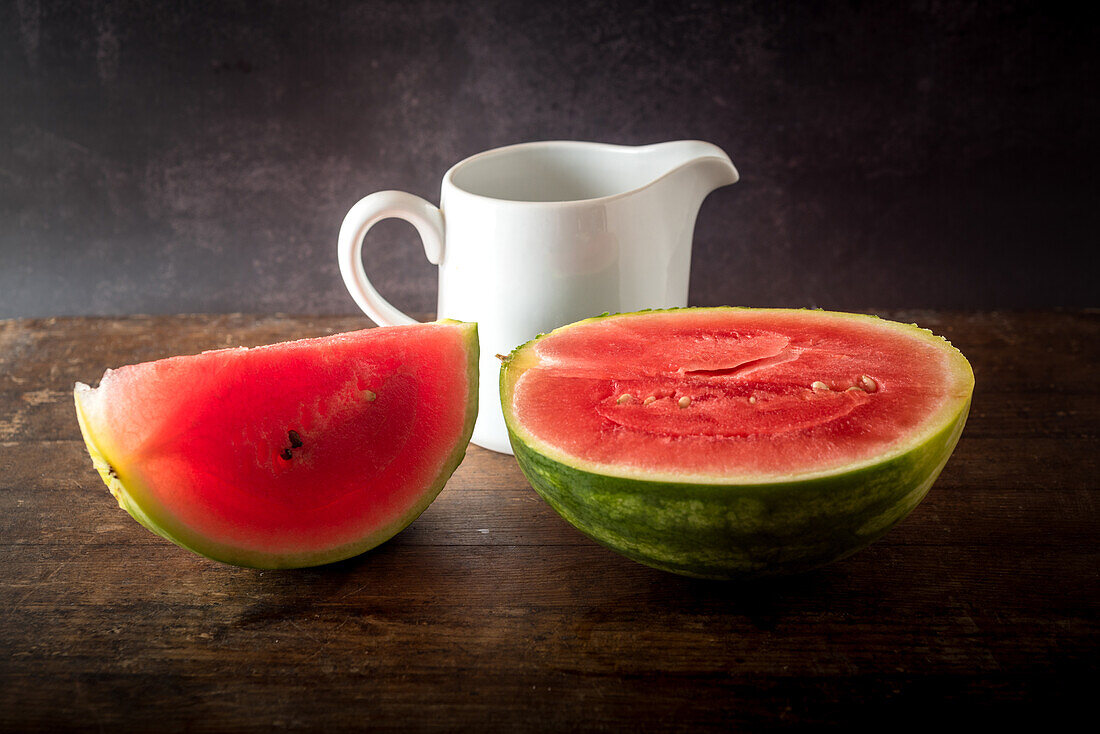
288, 455
731, 443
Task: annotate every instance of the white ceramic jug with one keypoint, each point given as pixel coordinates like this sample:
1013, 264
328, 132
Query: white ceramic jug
533, 236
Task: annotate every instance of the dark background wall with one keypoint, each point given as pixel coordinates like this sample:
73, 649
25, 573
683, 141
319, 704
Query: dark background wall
199, 156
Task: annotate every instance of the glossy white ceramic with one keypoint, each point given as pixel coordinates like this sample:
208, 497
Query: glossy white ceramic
533, 236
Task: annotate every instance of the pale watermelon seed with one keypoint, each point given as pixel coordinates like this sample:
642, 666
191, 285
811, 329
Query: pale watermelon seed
649, 400
869, 383
624, 398
684, 402
370, 396
819, 385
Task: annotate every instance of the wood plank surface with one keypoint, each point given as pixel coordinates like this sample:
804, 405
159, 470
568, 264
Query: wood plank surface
491, 613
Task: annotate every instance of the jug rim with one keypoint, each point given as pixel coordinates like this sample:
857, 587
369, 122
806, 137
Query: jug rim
449, 183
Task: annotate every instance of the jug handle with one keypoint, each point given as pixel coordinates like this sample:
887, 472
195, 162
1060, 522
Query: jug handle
367, 212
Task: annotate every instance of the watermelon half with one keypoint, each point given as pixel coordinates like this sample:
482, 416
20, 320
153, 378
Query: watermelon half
726, 442
288, 455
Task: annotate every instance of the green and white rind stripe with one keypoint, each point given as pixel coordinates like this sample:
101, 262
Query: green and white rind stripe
740, 529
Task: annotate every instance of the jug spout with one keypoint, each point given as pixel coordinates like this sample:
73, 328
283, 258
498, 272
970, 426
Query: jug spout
702, 164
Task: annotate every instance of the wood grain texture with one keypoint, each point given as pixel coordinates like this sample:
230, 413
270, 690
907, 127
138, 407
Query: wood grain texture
491, 613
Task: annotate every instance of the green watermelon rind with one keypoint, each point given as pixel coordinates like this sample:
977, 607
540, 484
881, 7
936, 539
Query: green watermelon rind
140, 505
738, 528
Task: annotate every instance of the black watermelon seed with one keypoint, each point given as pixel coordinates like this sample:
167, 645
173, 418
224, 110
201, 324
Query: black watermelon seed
286, 454
295, 439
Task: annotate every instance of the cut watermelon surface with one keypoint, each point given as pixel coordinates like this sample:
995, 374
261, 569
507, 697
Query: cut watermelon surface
288, 455
727, 442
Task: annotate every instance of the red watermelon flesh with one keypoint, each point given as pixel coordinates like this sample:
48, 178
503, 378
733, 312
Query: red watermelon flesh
736, 393
292, 454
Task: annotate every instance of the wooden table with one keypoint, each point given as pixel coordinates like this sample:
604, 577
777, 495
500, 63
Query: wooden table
491, 613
